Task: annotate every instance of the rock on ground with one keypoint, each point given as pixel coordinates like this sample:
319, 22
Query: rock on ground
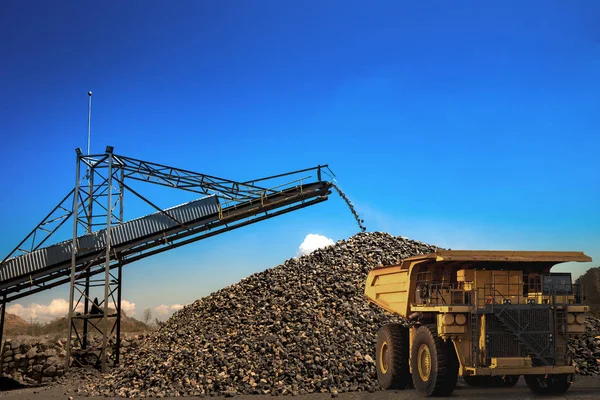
586, 349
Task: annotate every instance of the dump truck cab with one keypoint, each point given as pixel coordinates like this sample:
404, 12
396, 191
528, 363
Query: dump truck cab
488, 316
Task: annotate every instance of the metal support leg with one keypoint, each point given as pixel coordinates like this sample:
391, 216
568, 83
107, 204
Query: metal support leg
73, 262
3, 305
107, 264
86, 310
90, 224
118, 342
121, 197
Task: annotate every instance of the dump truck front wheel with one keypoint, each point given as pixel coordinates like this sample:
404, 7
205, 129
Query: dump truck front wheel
392, 357
433, 362
548, 384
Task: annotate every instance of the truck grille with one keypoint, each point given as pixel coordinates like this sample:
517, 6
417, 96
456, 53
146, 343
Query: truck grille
515, 331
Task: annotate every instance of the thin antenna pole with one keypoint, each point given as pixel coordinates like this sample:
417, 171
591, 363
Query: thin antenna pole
89, 122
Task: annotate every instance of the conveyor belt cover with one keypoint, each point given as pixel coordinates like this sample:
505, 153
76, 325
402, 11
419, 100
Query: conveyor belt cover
204, 210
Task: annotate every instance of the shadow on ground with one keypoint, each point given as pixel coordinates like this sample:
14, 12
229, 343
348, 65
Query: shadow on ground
9, 384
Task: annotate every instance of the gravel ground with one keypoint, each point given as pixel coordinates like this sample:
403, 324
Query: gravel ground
582, 389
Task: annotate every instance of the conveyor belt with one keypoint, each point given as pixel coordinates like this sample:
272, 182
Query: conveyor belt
142, 237
19, 268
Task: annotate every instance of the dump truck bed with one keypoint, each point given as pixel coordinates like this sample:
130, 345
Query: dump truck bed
390, 286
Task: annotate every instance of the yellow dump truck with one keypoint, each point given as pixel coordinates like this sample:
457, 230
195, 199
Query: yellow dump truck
488, 316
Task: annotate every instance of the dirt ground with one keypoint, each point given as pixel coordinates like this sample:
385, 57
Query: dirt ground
580, 390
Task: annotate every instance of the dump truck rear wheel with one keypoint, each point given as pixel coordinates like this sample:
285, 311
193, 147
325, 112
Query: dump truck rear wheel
548, 384
392, 357
433, 362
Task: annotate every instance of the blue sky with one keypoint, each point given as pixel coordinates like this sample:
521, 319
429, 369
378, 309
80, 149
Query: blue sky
466, 124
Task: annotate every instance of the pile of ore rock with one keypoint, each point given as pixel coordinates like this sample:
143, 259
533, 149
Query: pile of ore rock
40, 360
301, 327
33, 361
586, 349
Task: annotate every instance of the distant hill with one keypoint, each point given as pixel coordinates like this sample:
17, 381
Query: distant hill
15, 325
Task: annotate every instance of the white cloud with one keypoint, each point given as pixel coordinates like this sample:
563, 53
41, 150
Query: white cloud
128, 307
312, 242
57, 308
40, 312
164, 310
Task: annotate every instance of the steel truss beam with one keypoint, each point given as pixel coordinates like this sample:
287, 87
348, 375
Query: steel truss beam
97, 203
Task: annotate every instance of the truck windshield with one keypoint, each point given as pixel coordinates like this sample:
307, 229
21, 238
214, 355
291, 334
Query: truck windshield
558, 283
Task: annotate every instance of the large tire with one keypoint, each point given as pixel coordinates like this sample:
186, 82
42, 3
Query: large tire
548, 384
392, 357
434, 363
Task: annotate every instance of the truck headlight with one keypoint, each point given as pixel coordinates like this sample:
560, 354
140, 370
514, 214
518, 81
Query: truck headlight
580, 318
448, 319
460, 319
